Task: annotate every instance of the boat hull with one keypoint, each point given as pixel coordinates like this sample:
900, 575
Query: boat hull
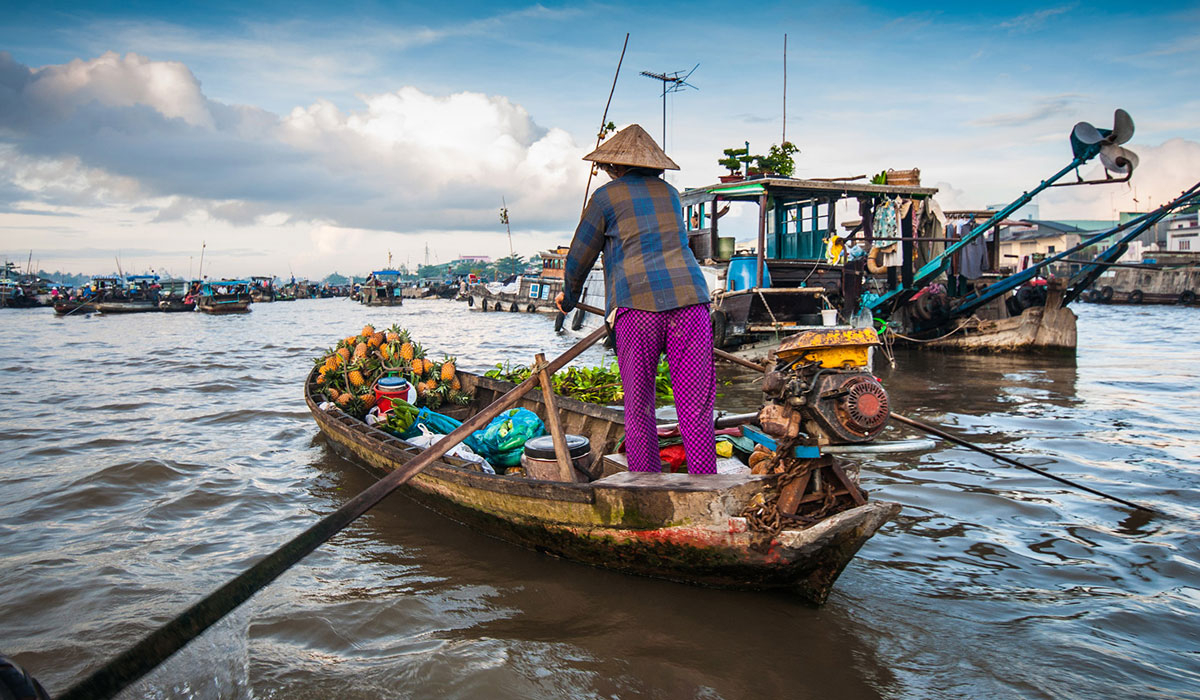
126, 307
1038, 329
668, 526
65, 308
233, 307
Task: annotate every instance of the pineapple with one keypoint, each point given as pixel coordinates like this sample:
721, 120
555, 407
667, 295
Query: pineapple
368, 400
356, 378
455, 385
377, 339
321, 379
407, 351
343, 354
344, 399
368, 330
448, 369
386, 351
360, 351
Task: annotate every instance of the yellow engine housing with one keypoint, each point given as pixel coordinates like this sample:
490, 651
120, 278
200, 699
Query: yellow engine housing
834, 348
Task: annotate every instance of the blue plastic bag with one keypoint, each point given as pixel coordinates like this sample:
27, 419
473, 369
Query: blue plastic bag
444, 425
503, 440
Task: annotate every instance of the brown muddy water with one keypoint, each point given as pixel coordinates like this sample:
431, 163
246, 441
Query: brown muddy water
149, 458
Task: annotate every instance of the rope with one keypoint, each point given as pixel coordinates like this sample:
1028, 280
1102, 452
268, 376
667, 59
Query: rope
961, 326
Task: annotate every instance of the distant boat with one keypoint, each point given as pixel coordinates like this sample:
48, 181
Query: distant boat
224, 297
382, 288
139, 294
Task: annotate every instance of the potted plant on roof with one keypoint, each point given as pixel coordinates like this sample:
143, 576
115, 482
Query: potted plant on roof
778, 160
733, 161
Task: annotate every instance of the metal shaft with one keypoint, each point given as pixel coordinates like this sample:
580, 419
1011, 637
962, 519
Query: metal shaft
1009, 460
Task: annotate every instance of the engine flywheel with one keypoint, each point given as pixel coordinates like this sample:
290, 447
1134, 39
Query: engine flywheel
865, 405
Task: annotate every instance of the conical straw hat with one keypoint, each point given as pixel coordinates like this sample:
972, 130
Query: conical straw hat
634, 147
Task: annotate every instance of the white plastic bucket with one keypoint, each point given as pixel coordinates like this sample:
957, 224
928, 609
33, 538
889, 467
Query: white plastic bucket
828, 317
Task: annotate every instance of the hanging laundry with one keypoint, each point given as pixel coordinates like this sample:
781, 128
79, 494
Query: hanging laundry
974, 258
887, 220
932, 225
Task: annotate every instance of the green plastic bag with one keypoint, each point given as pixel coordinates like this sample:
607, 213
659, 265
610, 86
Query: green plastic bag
503, 440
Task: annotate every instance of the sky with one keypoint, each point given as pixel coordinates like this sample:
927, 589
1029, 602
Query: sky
306, 138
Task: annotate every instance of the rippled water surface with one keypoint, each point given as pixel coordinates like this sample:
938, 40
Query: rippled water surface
149, 458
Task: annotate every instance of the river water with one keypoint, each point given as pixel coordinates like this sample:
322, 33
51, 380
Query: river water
149, 458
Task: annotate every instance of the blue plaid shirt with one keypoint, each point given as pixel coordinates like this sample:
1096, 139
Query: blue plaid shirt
637, 222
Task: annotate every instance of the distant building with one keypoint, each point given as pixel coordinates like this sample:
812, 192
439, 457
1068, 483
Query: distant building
474, 259
1183, 231
1028, 242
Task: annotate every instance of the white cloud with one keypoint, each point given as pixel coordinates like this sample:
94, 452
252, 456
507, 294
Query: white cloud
1164, 172
406, 161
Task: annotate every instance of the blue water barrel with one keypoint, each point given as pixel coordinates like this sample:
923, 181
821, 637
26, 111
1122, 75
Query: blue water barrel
742, 275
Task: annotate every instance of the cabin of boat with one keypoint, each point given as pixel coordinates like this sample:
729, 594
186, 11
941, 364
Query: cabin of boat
262, 289
528, 293
791, 276
382, 288
175, 295
224, 297
664, 525
138, 294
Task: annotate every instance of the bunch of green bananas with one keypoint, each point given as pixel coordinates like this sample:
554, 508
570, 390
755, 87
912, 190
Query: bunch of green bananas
402, 416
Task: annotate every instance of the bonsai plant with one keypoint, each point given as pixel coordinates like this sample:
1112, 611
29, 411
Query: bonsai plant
733, 161
778, 160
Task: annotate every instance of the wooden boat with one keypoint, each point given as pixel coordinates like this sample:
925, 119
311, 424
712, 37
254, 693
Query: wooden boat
669, 526
1047, 327
64, 308
114, 306
262, 289
382, 288
175, 296
224, 297
138, 294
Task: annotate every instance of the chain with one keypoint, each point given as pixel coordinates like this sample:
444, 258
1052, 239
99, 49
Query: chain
762, 513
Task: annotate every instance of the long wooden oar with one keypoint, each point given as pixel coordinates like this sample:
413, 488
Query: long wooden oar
959, 441
1009, 460
171, 637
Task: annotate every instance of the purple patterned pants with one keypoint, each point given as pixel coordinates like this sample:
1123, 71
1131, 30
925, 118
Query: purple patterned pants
686, 336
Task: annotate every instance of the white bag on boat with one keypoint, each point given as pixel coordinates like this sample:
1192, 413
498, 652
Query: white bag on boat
428, 437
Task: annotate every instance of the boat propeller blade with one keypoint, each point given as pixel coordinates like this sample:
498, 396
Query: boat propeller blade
1118, 160
1122, 127
1087, 134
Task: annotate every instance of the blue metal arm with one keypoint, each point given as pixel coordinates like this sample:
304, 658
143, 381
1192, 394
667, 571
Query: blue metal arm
1137, 226
939, 264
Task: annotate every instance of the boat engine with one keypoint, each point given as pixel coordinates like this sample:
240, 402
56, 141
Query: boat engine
822, 386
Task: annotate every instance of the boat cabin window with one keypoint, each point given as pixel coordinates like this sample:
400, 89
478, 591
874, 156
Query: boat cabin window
797, 230
534, 289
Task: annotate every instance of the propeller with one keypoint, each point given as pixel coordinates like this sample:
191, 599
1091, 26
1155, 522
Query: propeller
1117, 160
1085, 137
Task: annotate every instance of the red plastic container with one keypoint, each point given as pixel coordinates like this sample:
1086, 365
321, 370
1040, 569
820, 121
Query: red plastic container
388, 388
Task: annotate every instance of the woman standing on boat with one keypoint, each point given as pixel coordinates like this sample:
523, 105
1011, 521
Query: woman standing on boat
655, 296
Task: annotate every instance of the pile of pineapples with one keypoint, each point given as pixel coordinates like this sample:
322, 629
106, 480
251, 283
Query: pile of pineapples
347, 372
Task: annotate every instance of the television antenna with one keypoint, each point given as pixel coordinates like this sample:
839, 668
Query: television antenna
672, 82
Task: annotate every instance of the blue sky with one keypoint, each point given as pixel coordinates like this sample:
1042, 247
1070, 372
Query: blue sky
324, 135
